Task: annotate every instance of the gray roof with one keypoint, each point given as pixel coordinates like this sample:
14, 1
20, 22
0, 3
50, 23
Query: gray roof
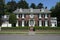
19, 11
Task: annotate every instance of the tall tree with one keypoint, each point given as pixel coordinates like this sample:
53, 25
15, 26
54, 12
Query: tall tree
22, 4
13, 20
1, 10
53, 13
33, 6
40, 5
11, 6
56, 12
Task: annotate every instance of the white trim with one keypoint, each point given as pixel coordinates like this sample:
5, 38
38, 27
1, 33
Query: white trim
31, 16
46, 23
17, 16
22, 15
31, 23
40, 16
17, 24
40, 23
46, 16
22, 23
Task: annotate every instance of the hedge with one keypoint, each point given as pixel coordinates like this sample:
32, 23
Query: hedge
27, 28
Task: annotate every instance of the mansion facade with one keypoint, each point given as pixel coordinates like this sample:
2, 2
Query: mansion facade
31, 17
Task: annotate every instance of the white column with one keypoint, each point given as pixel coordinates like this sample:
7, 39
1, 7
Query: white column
40, 23
39, 15
46, 23
17, 23
34, 23
22, 15
17, 16
22, 23
46, 16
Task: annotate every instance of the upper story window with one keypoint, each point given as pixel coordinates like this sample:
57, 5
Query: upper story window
31, 9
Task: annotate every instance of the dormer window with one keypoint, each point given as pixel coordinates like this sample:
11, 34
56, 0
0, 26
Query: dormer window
42, 10
20, 9
31, 9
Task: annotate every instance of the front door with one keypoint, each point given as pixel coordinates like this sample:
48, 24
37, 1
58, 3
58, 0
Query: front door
31, 23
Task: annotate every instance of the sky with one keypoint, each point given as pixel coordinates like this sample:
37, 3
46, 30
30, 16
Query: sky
48, 3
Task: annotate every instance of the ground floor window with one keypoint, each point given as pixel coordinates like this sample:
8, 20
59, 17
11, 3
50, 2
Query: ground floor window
26, 23
19, 23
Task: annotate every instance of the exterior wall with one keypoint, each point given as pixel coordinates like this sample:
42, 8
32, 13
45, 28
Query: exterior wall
38, 20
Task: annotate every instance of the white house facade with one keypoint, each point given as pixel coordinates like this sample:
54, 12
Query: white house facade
32, 17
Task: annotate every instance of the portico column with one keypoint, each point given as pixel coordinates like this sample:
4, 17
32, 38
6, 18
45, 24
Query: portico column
40, 23
22, 23
46, 23
17, 23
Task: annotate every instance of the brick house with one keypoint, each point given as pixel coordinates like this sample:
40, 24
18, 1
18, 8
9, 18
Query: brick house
32, 17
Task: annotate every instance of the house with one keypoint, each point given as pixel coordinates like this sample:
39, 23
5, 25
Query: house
32, 17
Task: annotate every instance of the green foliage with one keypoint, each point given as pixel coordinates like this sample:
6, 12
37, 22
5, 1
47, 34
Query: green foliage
15, 28
23, 4
40, 5
1, 10
12, 19
33, 6
11, 6
47, 28
56, 12
27, 28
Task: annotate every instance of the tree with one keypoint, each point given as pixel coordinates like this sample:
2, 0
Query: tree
1, 10
53, 13
33, 6
40, 5
56, 12
13, 20
23, 4
11, 6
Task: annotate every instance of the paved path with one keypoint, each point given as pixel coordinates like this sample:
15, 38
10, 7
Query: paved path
27, 37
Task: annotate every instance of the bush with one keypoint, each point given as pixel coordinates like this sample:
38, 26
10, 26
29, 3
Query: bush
47, 28
15, 28
27, 28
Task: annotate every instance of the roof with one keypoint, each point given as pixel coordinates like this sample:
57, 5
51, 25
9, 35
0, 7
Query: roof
31, 10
